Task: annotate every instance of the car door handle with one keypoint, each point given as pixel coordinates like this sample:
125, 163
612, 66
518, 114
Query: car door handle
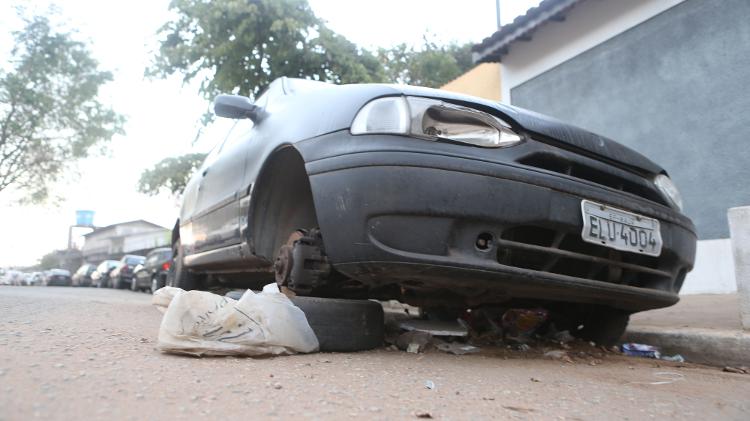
205, 172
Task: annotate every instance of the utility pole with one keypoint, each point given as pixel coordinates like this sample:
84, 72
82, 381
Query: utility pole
497, 13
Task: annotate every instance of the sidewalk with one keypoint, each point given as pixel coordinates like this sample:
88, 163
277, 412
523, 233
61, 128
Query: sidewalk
702, 328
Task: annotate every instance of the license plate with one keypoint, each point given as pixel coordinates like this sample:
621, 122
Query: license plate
619, 229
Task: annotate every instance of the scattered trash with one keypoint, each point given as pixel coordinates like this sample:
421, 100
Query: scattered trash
414, 341
429, 384
640, 350
677, 358
737, 370
423, 414
556, 354
413, 348
201, 323
456, 348
435, 328
523, 347
649, 351
563, 337
519, 324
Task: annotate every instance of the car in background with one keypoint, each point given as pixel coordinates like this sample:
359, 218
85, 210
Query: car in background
121, 275
37, 279
152, 274
82, 277
12, 277
58, 277
100, 276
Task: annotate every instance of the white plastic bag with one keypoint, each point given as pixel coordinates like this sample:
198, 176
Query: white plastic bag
201, 323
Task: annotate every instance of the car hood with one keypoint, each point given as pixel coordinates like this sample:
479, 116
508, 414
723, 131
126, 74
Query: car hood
553, 130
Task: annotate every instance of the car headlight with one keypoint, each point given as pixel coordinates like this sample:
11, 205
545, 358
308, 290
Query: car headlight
668, 189
433, 120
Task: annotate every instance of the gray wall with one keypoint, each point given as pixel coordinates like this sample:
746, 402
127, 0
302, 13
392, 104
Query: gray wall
675, 88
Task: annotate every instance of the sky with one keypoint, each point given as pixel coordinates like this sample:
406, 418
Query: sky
162, 115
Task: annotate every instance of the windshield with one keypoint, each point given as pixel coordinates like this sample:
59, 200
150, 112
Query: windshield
134, 260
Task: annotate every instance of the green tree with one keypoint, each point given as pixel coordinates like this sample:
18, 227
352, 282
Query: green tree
241, 46
50, 115
431, 65
171, 173
50, 261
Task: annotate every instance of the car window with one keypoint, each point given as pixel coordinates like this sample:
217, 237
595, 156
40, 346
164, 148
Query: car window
132, 260
239, 132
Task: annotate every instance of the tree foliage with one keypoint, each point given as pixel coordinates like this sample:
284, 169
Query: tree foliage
241, 46
431, 65
171, 173
50, 115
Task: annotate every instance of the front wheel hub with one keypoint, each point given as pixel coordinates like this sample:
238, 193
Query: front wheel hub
301, 264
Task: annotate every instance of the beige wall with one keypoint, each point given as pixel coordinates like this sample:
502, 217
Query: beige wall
482, 81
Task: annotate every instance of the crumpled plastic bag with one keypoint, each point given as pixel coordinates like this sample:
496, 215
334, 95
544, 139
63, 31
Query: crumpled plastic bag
201, 323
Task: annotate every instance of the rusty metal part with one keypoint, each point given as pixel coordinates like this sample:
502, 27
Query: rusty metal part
284, 259
301, 264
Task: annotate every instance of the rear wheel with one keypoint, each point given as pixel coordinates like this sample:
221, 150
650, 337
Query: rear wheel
179, 275
604, 326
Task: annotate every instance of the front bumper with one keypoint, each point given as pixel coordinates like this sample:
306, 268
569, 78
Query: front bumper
413, 218
65, 282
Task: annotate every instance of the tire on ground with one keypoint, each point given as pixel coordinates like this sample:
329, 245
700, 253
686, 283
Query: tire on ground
341, 325
344, 325
180, 276
604, 327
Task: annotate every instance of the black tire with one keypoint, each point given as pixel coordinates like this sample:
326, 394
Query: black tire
341, 325
180, 276
604, 327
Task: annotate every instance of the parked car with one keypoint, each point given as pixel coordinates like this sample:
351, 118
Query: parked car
437, 199
82, 277
37, 279
58, 277
12, 277
121, 275
100, 276
152, 274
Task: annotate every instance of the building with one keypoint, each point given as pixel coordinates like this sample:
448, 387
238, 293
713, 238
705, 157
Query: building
114, 241
483, 80
664, 77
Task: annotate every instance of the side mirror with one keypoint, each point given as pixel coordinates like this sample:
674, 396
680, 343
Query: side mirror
237, 106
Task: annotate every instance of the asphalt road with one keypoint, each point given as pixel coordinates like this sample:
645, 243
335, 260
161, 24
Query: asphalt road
81, 353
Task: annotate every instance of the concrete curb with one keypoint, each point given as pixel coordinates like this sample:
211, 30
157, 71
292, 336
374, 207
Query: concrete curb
705, 346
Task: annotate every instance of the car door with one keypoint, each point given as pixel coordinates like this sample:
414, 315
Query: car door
215, 222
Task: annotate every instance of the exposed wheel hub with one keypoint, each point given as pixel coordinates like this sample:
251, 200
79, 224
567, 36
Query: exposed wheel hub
301, 264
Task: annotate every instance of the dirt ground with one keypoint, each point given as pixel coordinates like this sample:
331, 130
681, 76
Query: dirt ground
82, 353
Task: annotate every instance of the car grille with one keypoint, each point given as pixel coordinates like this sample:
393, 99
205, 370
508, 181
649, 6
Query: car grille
564, 253
617, 179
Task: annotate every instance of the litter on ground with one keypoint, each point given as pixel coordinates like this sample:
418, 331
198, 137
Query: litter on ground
201, 323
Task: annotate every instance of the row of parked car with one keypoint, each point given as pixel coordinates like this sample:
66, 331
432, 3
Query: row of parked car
139, 273
47, 277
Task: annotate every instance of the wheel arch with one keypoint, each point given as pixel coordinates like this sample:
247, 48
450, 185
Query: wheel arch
281, 202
